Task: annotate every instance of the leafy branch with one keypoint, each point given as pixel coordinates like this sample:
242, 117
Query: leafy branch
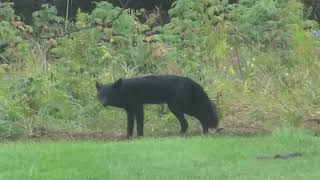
89, 27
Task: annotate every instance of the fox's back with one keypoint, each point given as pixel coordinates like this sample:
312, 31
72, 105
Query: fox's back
155, 88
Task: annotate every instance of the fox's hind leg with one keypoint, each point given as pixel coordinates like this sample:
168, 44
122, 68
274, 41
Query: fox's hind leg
140, 120
180, 116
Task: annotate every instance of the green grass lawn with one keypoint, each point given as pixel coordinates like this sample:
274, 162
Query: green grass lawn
217, 157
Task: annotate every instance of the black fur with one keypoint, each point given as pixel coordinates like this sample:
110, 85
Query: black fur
183, 96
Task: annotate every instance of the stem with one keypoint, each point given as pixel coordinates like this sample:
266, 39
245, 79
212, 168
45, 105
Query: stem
239, 64
67, 17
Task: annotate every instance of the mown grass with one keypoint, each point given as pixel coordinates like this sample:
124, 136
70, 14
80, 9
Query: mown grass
218, 157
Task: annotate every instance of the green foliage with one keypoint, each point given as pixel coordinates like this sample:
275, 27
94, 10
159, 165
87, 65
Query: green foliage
12, 45
266, 23
46, 22
15, 46
6, 11
256, 60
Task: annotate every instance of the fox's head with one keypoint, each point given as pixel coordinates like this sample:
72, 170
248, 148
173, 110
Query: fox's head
109, 94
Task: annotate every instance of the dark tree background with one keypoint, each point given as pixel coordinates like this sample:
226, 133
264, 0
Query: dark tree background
314, 7
25, 8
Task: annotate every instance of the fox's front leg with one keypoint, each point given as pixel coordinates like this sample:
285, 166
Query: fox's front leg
130, 122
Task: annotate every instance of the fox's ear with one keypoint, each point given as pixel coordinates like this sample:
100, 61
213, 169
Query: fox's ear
117, 84
98, 85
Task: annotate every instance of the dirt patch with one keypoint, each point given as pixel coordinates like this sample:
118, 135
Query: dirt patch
66, 134
237, 127
312, 125
231, 127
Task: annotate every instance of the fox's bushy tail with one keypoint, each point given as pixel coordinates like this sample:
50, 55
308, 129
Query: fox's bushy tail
213, 120
208, 110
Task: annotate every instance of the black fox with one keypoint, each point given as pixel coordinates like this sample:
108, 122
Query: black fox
183, 96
